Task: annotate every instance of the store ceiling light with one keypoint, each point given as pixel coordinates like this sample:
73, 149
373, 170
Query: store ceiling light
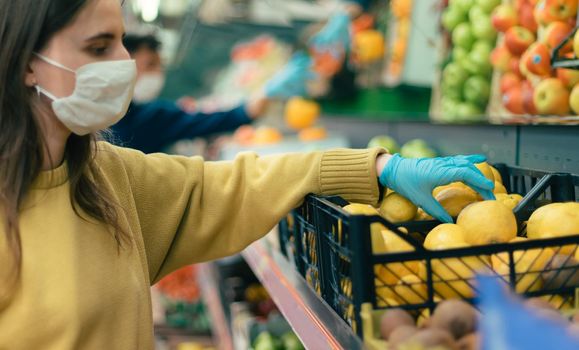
149, 9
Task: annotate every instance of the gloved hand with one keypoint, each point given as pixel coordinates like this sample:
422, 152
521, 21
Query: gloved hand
416, 178
335, 36
291, 80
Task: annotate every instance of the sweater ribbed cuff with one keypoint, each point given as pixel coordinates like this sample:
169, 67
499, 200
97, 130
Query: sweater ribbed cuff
351, 174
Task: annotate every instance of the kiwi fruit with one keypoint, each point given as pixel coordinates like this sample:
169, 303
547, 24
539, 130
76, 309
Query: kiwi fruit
400, 335
455, 316
433, 337
392, 319
561, 272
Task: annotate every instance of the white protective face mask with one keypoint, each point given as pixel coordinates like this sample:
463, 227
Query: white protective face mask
101, 96
149, 87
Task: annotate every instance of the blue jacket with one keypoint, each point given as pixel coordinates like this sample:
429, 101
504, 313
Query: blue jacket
154, 126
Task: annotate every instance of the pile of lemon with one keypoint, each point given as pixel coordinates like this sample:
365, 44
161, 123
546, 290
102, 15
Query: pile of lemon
479, 222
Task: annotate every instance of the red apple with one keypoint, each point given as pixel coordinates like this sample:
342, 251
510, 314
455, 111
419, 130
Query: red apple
569, 77
504, 17
518, 39
551, 97
508, 81
500, 58
519, 3
514, 66
523, 70
528, 103
537, 59
513, 100
541, 15
574, 99
561, 10
527, 18
554, 35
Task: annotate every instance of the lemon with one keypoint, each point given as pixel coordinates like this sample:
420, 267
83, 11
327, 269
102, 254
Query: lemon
499, 188
456, 277
555, 220
443, 236
411, 289
486, 170
488, 222
394, 243
496, 174
378, 246
529, 264
455, 198
510, 200
360, 209
389, 274
396, 208
421, 215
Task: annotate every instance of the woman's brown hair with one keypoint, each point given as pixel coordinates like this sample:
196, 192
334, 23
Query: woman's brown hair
26, 26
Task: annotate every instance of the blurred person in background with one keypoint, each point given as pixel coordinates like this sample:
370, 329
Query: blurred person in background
152, 125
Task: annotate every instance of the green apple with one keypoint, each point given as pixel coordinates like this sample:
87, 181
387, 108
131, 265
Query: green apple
477, 62
482, 28
386, 142
488, 5
448, 107
464, 5
477, 90
483, 47
416, 143
469, 66
454, 92
468, 112
475, 12
458, 53
417, 153
452, 17
417, 148
463, 36
454, 75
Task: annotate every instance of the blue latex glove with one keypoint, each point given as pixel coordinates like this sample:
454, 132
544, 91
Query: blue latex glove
508, 324
416, 178
291, 80
335, 36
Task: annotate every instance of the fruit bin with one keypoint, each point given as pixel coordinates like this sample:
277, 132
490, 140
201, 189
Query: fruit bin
334, 253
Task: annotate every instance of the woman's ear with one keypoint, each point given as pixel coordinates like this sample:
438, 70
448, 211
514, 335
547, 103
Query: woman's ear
29, 76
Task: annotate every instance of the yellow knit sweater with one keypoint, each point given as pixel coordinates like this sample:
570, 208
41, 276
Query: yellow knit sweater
78, 292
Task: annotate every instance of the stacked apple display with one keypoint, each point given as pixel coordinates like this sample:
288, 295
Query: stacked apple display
466, 78
532, 30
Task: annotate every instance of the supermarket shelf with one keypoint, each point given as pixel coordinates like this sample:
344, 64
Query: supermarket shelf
210, 291
315, 323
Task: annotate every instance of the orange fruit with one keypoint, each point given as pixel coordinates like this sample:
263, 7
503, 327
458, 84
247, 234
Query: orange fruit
301, 113
369, 46
401, 8
267, 136
313, 134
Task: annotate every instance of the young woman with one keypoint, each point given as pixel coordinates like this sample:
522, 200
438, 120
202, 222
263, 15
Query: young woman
86, 227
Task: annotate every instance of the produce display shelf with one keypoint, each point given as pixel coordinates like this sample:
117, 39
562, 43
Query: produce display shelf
210, 290
315, 323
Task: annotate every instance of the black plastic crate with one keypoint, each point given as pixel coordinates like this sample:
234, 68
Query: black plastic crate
334, 247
